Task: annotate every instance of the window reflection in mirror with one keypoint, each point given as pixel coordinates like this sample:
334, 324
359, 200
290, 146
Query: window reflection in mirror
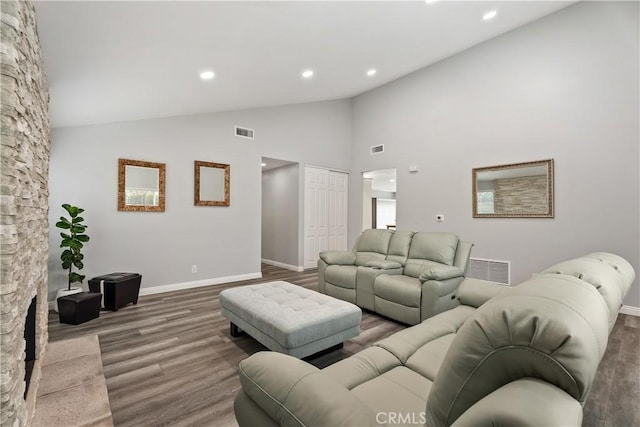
141, 186
212, 182
515, 190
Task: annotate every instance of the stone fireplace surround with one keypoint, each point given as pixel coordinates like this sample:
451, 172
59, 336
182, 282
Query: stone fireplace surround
24, 152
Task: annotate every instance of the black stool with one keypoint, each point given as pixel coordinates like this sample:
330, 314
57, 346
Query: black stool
119, 289
79, 308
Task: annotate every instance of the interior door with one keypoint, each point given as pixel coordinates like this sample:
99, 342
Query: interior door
325, 225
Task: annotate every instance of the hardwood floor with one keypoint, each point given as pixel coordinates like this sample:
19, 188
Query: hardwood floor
170, 361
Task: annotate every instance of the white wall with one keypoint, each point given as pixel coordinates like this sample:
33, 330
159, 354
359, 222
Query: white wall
221, 241
280, 215
563, 87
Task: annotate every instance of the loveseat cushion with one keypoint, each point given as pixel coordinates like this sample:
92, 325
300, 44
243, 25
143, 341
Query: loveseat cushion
400, 289
399, 246
414, 267
442, 272
372, 244
435, 246
343, 276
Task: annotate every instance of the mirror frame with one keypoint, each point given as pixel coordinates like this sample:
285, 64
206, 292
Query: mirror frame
122, 168
197, 164
550, 202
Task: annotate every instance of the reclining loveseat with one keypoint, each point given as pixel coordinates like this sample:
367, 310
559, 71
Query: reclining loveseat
523, 355
402, 275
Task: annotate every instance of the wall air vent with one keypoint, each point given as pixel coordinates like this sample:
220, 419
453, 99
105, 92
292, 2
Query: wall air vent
489, 269
244, 132
377, 149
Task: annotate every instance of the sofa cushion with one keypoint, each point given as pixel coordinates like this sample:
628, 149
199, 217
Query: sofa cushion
362, 367
434, 246
427, 359
405, 343
343, 276
398, 391
404, 290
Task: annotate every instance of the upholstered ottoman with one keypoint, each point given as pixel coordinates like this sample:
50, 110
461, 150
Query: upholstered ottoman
290, 319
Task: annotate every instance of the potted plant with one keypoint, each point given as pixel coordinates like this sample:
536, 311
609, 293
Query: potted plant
73, 240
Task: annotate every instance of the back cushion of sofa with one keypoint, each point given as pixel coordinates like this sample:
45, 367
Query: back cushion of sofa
399, 246
436, 247
372, 244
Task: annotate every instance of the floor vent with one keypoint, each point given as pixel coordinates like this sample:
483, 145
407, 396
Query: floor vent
244, 132
489, 269
377, 149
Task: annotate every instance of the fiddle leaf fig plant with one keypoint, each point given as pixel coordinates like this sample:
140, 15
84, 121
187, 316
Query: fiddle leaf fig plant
73, 241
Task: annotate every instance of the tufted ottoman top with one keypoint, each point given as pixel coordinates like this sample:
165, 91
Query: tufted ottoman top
290, 314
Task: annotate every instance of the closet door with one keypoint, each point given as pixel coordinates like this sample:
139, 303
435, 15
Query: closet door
325, 213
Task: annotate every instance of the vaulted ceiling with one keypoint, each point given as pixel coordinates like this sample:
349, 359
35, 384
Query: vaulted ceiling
118, 61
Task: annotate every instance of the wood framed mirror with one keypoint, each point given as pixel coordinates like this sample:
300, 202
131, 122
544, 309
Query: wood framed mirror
141, 186
518, 190
212, 182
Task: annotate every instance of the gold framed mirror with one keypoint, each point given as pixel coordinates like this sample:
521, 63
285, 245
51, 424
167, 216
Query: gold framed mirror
141, 186
518, 190
212, 182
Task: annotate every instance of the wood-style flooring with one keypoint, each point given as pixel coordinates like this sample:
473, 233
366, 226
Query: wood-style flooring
170, 361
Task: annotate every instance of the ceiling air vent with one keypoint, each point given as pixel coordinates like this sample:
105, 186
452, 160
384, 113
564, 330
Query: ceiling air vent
377, 149
244, 132
489, 269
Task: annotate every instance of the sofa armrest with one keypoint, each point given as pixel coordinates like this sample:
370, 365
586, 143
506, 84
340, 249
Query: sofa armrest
383, 264
475, 292
524, 402
338, 257
295, 393
442, 272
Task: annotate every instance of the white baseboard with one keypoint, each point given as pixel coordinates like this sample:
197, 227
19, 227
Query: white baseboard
630, 310
297, 268
198, 283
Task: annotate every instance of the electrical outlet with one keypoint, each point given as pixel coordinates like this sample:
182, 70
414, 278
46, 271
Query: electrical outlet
194, 268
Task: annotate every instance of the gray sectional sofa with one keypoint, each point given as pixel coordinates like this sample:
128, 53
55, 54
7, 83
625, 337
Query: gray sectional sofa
523, 355
403, 275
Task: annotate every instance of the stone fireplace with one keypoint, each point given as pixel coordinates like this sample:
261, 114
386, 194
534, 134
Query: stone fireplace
24, 151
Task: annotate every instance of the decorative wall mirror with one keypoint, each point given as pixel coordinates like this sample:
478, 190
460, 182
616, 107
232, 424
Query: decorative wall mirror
141, 186
520, 190
211, 184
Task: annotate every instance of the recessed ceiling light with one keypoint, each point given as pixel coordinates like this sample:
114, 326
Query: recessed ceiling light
371, 72
392, 180
307, 74
207, 75
430, 1
263, 164
489, 15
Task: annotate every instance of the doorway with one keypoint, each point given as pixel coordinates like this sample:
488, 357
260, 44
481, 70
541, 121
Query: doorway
379, 199
280, 212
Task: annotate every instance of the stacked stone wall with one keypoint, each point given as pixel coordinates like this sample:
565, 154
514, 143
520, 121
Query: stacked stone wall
24, 170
